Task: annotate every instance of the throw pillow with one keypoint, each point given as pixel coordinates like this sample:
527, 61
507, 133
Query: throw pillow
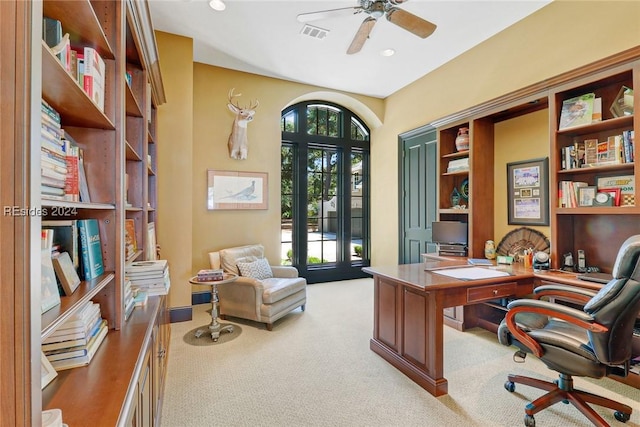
258, 269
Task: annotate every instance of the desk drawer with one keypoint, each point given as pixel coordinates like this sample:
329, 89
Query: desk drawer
489, 292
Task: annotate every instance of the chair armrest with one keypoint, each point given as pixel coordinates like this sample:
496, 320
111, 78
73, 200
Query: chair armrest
545, 308
579, 294
248, 282
284, 271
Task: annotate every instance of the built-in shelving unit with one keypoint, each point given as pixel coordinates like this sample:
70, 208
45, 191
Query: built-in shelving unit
598, 230
129, 366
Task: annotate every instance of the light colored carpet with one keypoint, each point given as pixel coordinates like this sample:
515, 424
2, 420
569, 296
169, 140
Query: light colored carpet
316, 369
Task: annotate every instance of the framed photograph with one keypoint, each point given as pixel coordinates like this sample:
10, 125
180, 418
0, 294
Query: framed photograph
47, 372
236, 190
528, 192
586, 195
66, 272
614, 193
626, 184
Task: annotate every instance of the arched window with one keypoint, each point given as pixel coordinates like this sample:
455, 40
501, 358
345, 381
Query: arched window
325, 191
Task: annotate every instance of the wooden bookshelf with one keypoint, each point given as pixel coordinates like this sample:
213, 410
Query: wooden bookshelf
129, 366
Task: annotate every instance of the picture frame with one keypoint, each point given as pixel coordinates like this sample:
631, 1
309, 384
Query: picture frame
66, 272
614, 192
586, 195
626, 184
49, 297
528, 192
236, 190
47, 371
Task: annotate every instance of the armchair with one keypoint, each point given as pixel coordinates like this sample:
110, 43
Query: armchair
260, 298
593, 342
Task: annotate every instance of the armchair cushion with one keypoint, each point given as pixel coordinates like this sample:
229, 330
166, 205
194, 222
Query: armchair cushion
229, 257
258, 269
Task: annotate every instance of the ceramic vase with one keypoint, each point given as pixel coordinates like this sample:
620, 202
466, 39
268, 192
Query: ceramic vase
489, 249
462, 140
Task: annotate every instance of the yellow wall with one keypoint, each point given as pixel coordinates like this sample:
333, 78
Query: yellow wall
175, 226
545, 44
183, 190
518, 139
549, 42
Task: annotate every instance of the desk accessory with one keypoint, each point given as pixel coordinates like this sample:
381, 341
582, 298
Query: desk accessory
541, 261
504, 259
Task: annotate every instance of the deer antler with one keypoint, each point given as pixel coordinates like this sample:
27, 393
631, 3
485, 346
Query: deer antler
235, 104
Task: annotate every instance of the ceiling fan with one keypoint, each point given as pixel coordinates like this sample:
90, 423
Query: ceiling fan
375, 9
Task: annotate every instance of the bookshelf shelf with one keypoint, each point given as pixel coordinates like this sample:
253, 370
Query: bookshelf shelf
605, 125
81, 23
77, 205
68, 306
67, 97
133, 108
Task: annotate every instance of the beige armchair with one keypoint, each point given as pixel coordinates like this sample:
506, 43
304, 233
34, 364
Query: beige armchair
263, 300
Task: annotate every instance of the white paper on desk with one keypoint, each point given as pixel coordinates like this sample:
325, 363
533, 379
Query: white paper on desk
472, 273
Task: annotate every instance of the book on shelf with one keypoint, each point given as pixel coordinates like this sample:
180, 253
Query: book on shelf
82, 179
146, 266
66, 235
54, 347
151, 250
623, 103
577, 111
94, 76
596, 115
590, 152
131, 245
70, 337
569, 193
141, 298
67, 274
79, 320
75, 329
91, 248
90, 350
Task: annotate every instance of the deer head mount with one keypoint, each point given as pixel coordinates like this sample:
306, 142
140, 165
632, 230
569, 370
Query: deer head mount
238, 144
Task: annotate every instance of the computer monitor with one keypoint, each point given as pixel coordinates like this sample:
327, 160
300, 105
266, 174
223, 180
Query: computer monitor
449, 232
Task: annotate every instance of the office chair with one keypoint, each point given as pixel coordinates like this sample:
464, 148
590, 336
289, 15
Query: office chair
592, 342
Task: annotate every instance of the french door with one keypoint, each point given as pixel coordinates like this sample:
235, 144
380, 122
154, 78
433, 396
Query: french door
325, 192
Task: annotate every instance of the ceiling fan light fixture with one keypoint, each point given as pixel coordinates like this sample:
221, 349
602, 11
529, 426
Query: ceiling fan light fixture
217, 5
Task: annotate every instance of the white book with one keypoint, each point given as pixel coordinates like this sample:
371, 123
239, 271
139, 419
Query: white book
92, 348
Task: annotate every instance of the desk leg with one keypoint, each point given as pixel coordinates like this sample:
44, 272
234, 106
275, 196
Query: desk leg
408, 333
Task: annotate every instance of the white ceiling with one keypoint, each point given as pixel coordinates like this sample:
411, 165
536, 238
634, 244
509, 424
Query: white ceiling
263, 37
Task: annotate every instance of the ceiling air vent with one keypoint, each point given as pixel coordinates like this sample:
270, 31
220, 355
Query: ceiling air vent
315, 32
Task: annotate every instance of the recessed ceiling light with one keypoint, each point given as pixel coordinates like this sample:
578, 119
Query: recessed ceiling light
387, 52
217, 5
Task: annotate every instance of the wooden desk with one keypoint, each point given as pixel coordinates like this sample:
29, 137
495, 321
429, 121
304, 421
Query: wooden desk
408, 314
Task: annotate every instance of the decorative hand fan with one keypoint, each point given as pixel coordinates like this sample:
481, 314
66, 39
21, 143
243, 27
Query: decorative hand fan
517, 241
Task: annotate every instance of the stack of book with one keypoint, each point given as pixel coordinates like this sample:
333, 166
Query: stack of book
151, 277
53, 165
76, 341
129, 304
209, 275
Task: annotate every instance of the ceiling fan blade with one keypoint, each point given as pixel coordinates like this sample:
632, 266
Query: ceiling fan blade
362, 35
322, 14
410, 22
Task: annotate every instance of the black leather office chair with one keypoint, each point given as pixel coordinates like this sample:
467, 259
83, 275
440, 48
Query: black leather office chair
593, 342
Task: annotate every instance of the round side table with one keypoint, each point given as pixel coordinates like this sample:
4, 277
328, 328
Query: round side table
216, 328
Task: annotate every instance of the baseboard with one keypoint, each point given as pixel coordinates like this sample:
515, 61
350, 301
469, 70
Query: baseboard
200, 298
180, 314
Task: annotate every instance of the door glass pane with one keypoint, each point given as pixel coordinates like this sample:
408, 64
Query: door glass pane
357, 182
322, 206
286, 204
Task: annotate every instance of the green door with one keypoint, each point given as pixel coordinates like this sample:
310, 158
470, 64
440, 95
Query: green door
418, 193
